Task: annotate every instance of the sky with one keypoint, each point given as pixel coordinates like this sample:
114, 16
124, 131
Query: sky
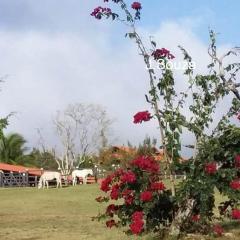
53, 53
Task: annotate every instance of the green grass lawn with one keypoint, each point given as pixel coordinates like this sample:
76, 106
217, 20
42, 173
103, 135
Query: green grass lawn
49, 214
61, 214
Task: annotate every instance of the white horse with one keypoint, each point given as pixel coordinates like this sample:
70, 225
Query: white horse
49, 176
81, 173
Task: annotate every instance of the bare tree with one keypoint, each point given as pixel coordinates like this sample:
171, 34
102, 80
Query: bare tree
82, 129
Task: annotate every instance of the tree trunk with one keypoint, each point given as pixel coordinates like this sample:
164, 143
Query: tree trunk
182, 214
172, 184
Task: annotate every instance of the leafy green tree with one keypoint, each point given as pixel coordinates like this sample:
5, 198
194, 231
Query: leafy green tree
12, 148
39, 159
3, 124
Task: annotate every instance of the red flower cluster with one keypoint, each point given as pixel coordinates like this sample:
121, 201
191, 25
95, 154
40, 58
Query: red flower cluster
235, 184
128, 196
100, 11
126, 185
237, 161
137, 223
116, 1
236, 214
128, 177
136, 6
195, 218
142, 117
111, 209
210, 168
162, 53
157, 186
146, 196
146, 163
115, 192
111, 223
118, 173
218, 230
137, 216
105, 184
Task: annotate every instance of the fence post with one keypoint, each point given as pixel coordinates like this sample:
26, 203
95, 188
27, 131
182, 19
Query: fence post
1, 179
36, 181
20, 179
26, 178
11, 179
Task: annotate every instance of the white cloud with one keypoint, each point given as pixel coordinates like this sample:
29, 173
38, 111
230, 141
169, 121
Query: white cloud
50, 70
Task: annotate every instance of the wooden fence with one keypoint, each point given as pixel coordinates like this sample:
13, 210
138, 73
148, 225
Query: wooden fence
13, 179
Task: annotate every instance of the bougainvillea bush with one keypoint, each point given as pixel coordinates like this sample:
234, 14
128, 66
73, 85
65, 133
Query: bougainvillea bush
143, 202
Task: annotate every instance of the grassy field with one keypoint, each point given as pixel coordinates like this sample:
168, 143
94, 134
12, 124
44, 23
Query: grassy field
61, 214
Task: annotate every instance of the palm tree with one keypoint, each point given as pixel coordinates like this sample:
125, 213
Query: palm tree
12, 148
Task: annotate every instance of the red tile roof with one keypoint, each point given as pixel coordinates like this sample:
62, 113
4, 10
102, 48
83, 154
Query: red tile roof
21, 169
124, 149
118, 150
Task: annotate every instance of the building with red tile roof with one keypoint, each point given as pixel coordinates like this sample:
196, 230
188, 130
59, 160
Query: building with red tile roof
20, 169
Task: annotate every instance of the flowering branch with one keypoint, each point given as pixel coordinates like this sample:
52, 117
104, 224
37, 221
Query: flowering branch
207, 168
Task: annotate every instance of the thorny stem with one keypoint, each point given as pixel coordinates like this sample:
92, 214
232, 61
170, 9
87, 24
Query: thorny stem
154, 101
153, 87
228, 83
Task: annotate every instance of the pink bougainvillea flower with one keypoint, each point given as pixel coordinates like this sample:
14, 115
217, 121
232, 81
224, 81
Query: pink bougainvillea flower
210, 168
137, 222
128, 177
157, 186
235, 214
111, 209
235, 184
136, 227
146, 163
146, 196
238, 116
129, 199
218, 230
195, 218
111, 223
115, 1
138, 215
142, 117
105, 184
128, 196
136, 6
100, 11
162, 53
237, 161
115, 192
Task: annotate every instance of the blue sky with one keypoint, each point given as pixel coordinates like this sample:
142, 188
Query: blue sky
220, 15
223, 15
56, 54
